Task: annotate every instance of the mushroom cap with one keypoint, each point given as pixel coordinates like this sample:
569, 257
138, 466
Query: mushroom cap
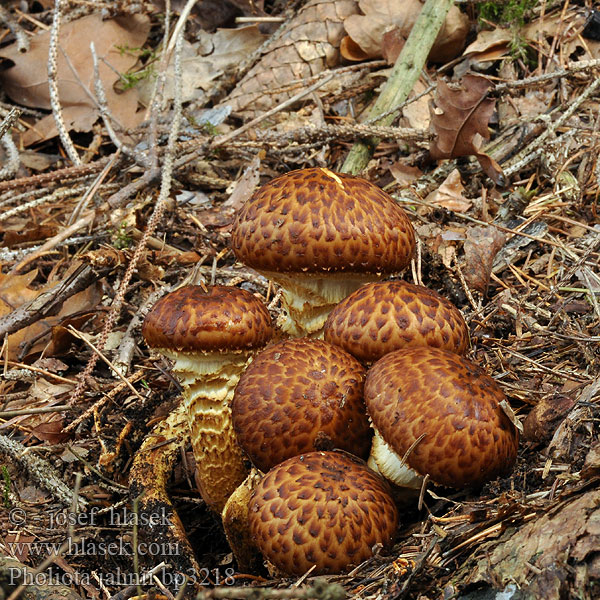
314, 221
222, 318
298, 396
468, 438
379, 318
322, 509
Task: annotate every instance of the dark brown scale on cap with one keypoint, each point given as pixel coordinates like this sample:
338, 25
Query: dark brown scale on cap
381, 317
314, 220
298, 396
221, 318
468, 439
321, 509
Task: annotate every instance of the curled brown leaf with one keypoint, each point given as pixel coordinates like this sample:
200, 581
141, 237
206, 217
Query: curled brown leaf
459, 122
481, 246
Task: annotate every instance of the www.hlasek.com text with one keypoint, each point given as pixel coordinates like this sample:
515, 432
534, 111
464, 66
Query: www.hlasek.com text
91, 547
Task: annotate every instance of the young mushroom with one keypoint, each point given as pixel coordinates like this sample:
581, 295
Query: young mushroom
384, 316
320, 235
298, 396
323, 511
210, 335
436, 413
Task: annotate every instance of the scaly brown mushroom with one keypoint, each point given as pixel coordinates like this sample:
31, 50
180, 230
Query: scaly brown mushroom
384, 316
440, 412
297, 396
323, 511
210, 335
320, 235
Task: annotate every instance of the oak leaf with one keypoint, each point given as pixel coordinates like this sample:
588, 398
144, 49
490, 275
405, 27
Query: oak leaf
459, 122
15, 291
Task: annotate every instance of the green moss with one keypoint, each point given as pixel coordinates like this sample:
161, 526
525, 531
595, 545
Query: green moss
121, 238
507, 12
510, 14
147, 57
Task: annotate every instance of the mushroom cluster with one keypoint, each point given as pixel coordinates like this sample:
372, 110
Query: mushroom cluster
389, 381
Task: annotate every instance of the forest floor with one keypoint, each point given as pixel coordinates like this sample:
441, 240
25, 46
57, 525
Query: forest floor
120, 177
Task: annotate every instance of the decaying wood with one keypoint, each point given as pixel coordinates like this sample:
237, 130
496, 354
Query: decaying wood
148, 480
41, 471
544, 558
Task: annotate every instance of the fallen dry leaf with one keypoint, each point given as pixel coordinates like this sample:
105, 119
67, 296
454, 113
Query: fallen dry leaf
541, 423
50, 431
481, 246
459, 122
416, 113
405, 174
53, 365
30, 233
562, 31
367, 32
21, 549
206, 60
245, 185
27, 81
15, 291
450, 194
487, 39
45, 391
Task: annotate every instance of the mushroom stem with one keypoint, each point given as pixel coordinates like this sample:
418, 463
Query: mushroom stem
388, 463
235, 517
148, 479
208, 381
308, 298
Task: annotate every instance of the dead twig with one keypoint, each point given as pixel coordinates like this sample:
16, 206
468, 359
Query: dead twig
53, 85
166, 181
16, 29
535, 148
58, 177
9, 120
48, 303
41, 471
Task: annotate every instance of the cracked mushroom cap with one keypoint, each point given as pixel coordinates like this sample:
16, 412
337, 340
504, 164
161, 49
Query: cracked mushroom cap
467, 437
381, 317
321, 509
314, 220
298, 396
217, 319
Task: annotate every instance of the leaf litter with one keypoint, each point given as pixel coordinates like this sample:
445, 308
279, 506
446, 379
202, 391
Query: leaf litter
519, 260
115, 41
